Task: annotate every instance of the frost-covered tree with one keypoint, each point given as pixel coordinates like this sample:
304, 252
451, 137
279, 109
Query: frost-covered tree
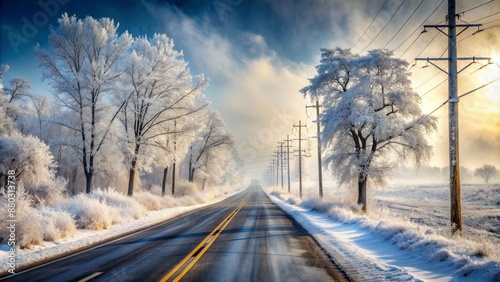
7, 124
3, 70
83, 67
17, 89
486, 172
371, 116
162, 91
214, 144
29, 157
11, 94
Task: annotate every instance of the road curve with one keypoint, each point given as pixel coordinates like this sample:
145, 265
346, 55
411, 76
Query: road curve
245, 237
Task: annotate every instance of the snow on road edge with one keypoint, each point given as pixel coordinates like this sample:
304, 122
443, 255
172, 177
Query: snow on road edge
85, 238
379, 250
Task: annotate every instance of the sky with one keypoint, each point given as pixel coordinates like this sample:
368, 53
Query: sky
258, 54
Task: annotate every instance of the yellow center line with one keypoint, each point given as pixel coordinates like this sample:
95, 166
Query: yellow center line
197, 252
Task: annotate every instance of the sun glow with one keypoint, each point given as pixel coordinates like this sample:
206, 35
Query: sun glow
492, 91
496, 60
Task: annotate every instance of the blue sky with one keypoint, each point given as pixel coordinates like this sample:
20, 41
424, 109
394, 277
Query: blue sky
259, 54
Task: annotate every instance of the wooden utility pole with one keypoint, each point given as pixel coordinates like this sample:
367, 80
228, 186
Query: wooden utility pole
318, 136
456, 205
282, 163
288, 159
455, 197
300, 154
272, 172
277, 167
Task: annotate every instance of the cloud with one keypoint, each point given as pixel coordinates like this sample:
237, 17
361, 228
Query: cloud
257, 74
255, 91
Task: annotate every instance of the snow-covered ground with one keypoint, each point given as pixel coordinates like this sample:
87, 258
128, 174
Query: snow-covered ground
84, 237
405, 235
429, 205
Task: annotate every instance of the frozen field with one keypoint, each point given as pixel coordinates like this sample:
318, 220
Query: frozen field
427, 205
430, 205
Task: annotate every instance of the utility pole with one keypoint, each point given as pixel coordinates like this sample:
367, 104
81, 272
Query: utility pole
281, 154
277, 167
272, 172
173, 165
455, 197
318, 127
165, 174
300, 155
288, 159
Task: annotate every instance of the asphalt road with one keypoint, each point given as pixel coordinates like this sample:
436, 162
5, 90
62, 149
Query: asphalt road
243, 238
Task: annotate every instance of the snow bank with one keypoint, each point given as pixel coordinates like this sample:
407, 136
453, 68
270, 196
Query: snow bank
349, 233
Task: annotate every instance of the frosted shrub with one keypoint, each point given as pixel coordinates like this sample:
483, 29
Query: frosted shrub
200, 198
61, 222
482, 251
155, 190
90, 213
29, 227
186, 188
125, 206
168, 201
51, 193
50, 232
317, 205
149, 201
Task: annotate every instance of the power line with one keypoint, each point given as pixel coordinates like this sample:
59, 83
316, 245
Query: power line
421, 84
440, 106
430, 42
480, 87
474, 34
490, 22
369, 25
373, 39
480, 5
486, 17
465, 94
434, 88
425, 45
418, 27
403, 25
442, 54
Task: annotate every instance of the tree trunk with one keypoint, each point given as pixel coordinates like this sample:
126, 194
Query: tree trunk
173, 179
362, 191
164, 182
133, 171
131, 178
192, 173
88, 176
190, 169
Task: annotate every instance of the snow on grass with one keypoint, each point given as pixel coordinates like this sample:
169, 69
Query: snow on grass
57, 224
90, 213
383, 246
149, 201
127, 207
86, 219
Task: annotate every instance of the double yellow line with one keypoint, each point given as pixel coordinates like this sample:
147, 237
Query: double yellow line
187, 263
